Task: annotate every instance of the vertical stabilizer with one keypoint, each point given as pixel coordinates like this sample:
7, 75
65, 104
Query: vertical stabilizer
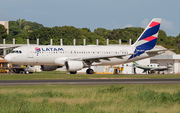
148, 38
135, 63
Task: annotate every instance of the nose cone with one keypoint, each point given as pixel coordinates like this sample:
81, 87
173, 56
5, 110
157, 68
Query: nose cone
7, 58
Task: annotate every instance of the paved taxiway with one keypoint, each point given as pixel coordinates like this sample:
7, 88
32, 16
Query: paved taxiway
89, 81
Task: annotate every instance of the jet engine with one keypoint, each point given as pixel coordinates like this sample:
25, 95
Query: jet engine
49, 67
74, 65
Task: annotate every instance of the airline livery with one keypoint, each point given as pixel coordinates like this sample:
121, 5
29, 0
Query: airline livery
75, 58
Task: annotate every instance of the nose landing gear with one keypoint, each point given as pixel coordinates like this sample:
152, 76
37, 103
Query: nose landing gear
73, 72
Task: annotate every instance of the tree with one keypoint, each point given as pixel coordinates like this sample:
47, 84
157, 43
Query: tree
21, 30
3, 33
44, 35
20, 22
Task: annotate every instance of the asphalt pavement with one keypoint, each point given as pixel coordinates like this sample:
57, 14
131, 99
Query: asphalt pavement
89, 81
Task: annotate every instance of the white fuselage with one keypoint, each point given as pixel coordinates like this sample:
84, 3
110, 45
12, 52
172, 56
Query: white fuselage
48, 55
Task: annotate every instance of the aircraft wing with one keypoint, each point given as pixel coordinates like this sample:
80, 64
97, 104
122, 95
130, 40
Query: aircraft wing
101, 57
160, 69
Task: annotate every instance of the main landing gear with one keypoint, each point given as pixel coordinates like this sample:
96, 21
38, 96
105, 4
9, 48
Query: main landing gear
89, 71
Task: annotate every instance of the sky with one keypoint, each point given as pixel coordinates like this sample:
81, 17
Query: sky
93, 14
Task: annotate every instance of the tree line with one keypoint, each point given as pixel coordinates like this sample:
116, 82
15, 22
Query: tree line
22, 30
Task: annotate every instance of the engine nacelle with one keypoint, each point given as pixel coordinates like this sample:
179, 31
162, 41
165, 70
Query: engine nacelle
48, 67
74, 65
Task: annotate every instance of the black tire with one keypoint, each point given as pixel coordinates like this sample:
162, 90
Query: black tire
89, 71
73, 72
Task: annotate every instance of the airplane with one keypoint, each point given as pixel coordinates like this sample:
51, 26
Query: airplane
152, 67
75, 58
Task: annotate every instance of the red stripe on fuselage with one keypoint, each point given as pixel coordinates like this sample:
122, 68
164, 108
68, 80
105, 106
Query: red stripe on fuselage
150, 38
154, 24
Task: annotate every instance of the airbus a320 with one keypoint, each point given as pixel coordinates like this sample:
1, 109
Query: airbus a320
75, 58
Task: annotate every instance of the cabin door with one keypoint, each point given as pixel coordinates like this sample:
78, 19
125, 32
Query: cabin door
30, 53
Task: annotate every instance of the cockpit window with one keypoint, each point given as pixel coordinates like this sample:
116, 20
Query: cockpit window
16, 51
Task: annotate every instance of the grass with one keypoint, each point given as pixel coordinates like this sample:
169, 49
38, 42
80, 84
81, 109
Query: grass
90, 99
63, 75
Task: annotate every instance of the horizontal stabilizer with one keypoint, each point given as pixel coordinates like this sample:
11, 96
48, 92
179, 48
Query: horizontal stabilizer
155, 51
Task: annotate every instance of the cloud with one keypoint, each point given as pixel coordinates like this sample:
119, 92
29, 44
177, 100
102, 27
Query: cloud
112, 25
144, 23
128, 25
167, 25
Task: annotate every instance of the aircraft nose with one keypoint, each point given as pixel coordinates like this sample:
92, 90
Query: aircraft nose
7, 58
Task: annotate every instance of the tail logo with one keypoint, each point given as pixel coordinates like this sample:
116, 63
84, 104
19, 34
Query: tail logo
148, 38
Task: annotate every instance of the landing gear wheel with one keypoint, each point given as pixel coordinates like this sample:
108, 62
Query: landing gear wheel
89, 71
27, 72
73, 72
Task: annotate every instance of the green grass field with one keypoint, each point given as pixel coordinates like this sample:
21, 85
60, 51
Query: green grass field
90, 99
63, 75
138, 98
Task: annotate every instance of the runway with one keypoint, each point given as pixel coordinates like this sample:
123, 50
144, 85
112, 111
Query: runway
88, 82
